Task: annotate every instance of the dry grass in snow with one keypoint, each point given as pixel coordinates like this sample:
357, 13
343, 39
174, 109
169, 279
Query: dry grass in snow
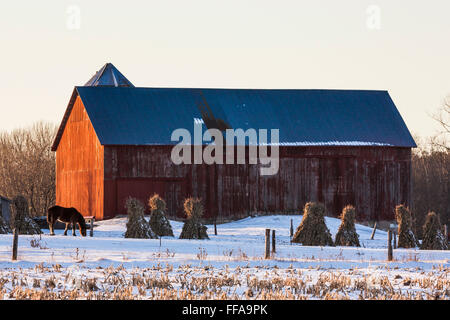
228, 266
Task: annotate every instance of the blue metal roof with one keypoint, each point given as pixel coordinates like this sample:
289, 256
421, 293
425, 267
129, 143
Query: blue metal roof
141, 116
109, 76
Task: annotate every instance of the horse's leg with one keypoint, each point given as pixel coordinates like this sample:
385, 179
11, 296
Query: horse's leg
51, 226
73, 229
65, 230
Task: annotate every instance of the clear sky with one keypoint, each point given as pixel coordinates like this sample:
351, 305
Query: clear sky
48, 47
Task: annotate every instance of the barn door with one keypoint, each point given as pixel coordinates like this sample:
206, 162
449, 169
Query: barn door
174, 195
336, 183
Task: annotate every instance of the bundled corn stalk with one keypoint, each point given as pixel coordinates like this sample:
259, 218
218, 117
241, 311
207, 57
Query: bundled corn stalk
4, 227
346, 235
20, 217
158, 221
433, 237
193, 228
137, 226
406, 237
313, 231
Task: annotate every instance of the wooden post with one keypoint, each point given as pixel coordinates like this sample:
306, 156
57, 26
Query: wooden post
273, 242
395, 240
373, 231
15, 244
91, 231
390, 245
292, 229
267, 253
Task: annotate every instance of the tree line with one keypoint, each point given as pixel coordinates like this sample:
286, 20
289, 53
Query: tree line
430, 184
27, 166
431, 171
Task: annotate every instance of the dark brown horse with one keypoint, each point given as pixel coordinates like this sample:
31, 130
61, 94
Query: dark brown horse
67, 216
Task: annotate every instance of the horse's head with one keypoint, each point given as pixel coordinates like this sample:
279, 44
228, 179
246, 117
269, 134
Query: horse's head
82, 229
81, 224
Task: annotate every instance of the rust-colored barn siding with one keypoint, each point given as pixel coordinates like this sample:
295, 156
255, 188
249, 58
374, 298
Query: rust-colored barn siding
374, 179
79, 165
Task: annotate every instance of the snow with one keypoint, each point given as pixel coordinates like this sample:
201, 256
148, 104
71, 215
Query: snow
239, 245
330, 143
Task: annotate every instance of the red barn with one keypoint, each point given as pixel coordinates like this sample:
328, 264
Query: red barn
338, 147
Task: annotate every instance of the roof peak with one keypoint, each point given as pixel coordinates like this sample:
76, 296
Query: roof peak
109, 76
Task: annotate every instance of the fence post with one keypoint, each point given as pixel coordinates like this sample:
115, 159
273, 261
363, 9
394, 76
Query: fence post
267, 253
273, 241
91, 231
390, 245
292, 229
15, 244
395, 240
373, 231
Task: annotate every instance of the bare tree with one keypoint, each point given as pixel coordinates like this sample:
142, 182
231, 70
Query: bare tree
27, 165
442, 139
431, 171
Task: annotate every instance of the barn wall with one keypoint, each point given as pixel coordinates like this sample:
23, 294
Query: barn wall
79, 165
374, 179
140, 172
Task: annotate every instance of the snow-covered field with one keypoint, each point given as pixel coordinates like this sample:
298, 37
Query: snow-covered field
230, 265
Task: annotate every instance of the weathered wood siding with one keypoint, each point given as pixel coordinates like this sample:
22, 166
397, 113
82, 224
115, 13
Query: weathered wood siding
374, 179
79, 165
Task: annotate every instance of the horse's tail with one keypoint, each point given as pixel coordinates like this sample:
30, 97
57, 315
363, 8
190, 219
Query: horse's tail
50, 213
